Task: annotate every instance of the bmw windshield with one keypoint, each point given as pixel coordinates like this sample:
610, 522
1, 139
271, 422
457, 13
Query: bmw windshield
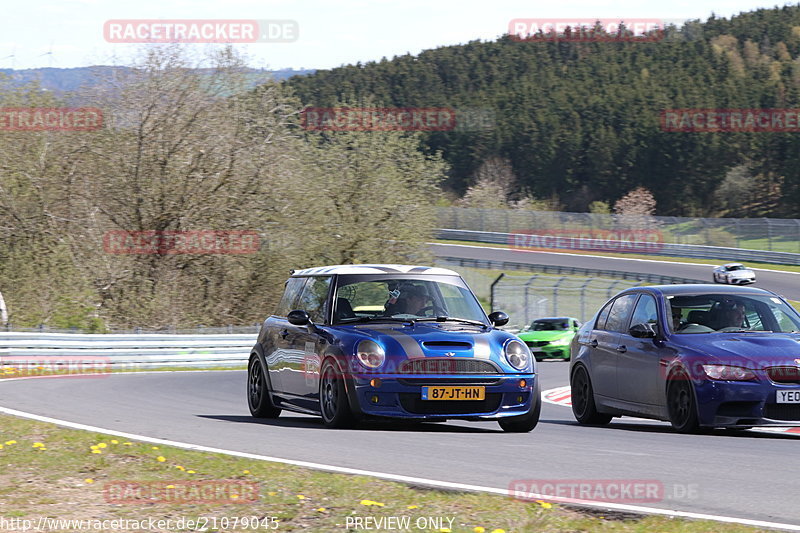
710, 313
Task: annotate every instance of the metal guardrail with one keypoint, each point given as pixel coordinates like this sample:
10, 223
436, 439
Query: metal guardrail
123, 351
664, 249
568, 270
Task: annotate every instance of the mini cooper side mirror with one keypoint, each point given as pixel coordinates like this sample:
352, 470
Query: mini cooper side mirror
642, 331
298, 317
499, 318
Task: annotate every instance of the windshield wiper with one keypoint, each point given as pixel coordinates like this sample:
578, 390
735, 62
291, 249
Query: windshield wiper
361, 319
452, 319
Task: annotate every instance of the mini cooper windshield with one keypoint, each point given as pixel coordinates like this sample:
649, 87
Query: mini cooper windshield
405, 299
710, 313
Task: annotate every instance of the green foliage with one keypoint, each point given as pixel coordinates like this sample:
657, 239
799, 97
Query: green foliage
581, 120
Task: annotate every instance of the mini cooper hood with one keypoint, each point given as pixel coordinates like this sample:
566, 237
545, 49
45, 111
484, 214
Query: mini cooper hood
449, 339
754, 350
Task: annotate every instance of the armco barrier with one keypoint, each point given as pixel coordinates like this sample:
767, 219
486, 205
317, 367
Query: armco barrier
128, 351
664, 249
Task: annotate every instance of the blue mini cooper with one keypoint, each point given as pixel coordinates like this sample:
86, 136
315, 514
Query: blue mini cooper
358, 341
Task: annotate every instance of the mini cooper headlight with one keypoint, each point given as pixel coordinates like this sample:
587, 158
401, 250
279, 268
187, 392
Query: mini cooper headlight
517, 354
370, 353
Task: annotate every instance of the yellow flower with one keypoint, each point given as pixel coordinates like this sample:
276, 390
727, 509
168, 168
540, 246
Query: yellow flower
321, 509
94, 447
1, 446
234, 496
479, 529
114, 441
88, 481
161, 458
498, 530
191, 472
413, 507
271, 493
154, 447
370, 502
179, 467
245, 471
127, 444
37, 444
445, 530
546, 505
96, 451
102, 445
10, 442
41, 448
301, 497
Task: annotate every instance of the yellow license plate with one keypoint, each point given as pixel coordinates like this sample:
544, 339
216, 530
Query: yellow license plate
453, 393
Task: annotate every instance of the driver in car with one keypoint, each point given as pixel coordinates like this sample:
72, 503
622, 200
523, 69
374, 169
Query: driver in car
731, 315
416, 300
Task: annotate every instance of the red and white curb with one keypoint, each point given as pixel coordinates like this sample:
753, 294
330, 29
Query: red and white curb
563, 396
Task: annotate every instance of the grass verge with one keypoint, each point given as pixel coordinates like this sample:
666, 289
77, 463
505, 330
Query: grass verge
66, 474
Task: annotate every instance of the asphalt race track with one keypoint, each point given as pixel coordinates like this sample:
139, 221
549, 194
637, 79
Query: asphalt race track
786, 284
745, 475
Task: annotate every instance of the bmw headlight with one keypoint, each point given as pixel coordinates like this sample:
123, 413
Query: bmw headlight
728, 373
517, 354
370, 353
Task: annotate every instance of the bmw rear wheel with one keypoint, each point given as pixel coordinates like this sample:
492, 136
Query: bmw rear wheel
681, 407
333, 403
258, 398
583, 406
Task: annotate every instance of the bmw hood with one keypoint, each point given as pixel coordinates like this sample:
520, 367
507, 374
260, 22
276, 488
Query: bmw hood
752, 350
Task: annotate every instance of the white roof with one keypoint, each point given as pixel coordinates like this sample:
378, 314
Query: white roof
373, 269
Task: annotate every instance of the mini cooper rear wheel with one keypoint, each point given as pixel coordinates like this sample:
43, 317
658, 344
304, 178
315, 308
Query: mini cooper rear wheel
583, 406
258, 392
681, 407
528, 421
333, 403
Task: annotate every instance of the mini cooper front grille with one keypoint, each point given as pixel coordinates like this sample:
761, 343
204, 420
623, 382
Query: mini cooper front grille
412, 403
447, 366
468, 382
784, 374
782, 411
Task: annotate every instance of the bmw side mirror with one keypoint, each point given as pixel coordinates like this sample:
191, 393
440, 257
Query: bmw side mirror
298, 317
642, 331
499, 318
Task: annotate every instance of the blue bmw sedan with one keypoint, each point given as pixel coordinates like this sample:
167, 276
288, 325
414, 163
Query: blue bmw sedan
364, 341
698, 356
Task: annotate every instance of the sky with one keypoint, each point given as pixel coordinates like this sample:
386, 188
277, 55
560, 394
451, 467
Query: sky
69, 33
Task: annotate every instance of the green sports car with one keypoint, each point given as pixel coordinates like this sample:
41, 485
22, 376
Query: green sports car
550, 337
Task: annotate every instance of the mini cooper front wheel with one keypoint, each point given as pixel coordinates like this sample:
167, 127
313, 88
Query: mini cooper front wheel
528, 421
258, 392
333, 403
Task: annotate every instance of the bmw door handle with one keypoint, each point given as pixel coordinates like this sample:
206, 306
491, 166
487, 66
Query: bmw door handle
593, 343
622, 349
284, 333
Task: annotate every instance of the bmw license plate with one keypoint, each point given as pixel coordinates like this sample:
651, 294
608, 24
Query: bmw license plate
453, 393
788, 396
